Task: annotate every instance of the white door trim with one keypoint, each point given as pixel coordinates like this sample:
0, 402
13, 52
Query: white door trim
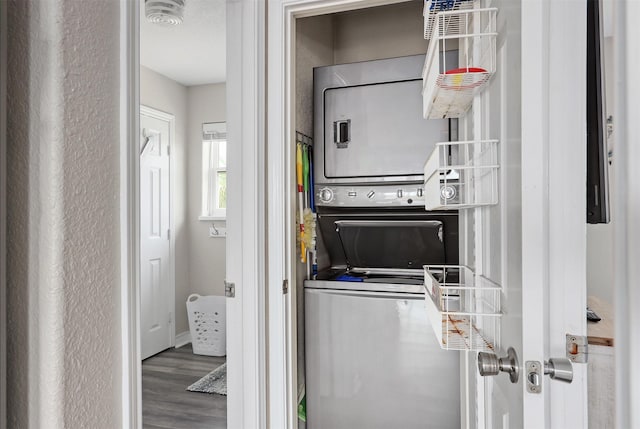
553, 153
171, 119
535, 192
246, 322
626, 211
567, 152
129, 212
246, 218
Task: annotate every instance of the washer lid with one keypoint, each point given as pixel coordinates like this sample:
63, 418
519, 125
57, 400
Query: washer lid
391, 243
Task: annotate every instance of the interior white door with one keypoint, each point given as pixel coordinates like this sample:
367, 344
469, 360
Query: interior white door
533, 242
156, 286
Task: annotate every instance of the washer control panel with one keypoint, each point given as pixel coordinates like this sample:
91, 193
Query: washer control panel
369, 196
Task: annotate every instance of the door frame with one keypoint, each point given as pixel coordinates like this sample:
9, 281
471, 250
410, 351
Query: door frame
246, 262
626, 211
281, 205
171, 120
246, 267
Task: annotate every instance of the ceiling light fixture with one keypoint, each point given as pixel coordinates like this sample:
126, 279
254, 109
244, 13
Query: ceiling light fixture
164, 12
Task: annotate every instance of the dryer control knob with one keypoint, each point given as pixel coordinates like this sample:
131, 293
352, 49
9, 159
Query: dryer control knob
448, 192
326, 195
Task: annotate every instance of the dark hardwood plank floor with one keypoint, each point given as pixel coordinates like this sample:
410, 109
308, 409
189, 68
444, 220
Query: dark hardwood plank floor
165, 402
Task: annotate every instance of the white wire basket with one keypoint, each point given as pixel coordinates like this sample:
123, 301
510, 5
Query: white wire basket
448, 89
207, 324
461, 175
463, 308
433, 7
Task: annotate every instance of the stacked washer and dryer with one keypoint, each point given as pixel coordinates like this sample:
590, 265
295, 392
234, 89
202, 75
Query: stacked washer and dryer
372, 360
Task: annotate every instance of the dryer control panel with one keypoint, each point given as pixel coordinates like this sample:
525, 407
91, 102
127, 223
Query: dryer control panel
370, 196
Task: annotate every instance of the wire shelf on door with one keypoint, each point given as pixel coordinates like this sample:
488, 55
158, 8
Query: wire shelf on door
433, 7
448, 89
461, 175
463, 308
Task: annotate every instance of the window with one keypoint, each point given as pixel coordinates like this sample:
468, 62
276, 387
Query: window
214, 171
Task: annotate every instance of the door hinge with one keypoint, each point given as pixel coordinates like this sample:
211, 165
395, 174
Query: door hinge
577, 348
229, 289
168, 234
168, 150
170, 318
285, 286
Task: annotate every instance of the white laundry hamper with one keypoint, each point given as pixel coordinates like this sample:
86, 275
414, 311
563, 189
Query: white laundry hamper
207, 324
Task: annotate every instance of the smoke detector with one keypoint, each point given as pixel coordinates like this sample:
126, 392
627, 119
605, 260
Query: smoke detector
164, 12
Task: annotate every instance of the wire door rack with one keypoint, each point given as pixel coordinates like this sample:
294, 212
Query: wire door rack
461, 175
449, 86
463, 308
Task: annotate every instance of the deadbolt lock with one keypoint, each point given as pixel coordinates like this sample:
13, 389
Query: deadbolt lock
559, 369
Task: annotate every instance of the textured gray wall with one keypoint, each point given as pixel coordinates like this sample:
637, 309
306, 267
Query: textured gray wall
64, 362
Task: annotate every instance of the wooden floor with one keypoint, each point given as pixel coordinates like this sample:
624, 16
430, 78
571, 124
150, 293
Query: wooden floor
166, 403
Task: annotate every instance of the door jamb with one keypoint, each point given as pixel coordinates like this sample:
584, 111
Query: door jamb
246, 242
626, 211
129, 209
171, 119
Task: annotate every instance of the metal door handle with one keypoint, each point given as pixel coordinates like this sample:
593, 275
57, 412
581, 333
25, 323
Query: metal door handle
342, 133
559, 369
490, 364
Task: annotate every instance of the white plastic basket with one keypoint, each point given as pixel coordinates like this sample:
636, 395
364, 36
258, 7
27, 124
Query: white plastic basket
463, 308
448, 89
207, 324
459, 175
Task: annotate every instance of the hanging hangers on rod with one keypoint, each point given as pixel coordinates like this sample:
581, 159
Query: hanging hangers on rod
304, 139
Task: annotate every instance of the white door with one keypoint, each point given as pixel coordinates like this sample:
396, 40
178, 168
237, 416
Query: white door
533, 242
156, 285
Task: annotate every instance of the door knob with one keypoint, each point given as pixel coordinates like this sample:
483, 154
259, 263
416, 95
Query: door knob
490, 364
559, 369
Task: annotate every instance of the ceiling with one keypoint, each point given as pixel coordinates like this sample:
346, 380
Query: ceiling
192, 53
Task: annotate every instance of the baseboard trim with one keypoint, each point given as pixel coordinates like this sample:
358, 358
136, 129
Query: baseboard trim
183, 338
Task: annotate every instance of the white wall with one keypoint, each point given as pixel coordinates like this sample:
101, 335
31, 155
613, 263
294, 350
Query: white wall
207, 103
164, 94
63, 262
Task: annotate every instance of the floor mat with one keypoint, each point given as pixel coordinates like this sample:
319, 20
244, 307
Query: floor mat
214, 382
